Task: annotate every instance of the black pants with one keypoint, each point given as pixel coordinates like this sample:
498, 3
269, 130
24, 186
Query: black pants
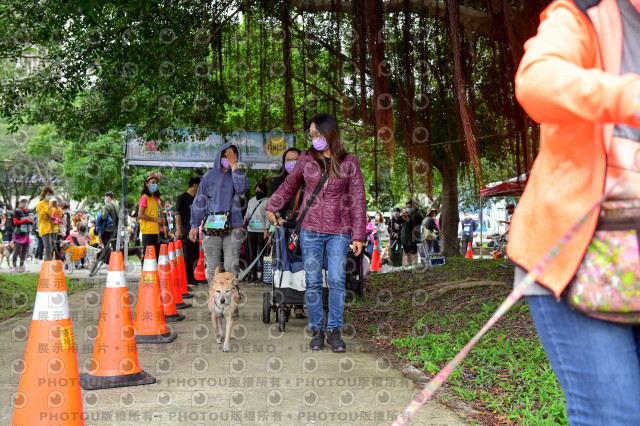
191, 253
21, 251
150, 240
105, 239
40, 248
464, 241
255, 243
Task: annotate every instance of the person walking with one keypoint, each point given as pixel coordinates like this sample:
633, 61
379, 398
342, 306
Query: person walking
110, 209
257, 225
45, 223
23, 221
3, 221
39, 243
395, 242
410, 234
183, 220
580, 79
289, 213
381, 233
335, 219
430, 231
469, 226
149, 213
371, 238
220, 192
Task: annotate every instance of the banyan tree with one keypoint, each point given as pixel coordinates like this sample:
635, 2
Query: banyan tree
432, 78
424, 88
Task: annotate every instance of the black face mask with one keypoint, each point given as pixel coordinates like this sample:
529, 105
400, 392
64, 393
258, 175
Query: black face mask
259, 195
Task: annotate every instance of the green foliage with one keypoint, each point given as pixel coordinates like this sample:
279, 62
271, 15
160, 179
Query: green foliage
509, 374
18, 292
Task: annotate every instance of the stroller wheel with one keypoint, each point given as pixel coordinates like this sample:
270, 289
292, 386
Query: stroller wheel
266, 307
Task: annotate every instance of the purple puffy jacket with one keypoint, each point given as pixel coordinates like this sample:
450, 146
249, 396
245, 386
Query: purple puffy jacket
340, 209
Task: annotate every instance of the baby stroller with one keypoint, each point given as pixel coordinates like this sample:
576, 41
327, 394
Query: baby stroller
288, 284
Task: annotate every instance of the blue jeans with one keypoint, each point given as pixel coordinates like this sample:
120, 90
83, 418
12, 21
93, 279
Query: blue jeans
314, 245
597, 363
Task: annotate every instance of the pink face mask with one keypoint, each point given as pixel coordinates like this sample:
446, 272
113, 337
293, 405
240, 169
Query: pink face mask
289, 166
320, 144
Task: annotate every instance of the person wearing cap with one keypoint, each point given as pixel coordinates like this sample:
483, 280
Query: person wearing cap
149, 213
220, 190
23, 222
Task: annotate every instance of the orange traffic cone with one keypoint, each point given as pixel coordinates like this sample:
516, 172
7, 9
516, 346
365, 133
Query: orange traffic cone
148, 321
115, 357
166, 286
199, 273
182, 271
175, 278
49, 390
376, 265
469, 254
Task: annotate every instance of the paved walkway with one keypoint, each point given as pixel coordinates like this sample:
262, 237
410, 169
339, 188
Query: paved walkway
269, 377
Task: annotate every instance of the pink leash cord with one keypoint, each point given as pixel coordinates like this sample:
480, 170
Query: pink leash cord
427, 392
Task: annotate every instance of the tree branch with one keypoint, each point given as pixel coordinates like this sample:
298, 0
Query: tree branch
470, 18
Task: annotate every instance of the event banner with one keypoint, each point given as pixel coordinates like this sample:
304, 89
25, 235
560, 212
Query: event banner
187, 148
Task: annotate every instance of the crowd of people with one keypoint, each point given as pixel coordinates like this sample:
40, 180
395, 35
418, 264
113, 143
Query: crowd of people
39, 232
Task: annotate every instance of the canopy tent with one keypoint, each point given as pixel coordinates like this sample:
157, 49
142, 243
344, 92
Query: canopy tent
512, 187
185, 148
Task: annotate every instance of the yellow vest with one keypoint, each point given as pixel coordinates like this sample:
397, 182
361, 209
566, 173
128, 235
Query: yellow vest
146, 226
94, 238
44, 217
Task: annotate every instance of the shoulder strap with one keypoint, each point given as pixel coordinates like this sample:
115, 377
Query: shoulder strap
295, 203
256, 208
312, 198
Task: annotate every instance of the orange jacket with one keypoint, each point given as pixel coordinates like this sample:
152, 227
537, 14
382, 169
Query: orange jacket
569, 81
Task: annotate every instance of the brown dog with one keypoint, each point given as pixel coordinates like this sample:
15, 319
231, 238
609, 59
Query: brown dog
6, 250
224, 296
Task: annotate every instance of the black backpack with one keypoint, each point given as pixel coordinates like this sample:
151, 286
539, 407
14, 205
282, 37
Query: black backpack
9, 226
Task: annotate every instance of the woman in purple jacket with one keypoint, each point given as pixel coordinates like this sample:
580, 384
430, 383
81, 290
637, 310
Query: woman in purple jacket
336, 219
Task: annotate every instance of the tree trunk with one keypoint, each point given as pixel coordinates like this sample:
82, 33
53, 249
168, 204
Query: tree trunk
449, 216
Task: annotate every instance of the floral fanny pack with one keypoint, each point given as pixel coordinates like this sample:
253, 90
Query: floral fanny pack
607, 283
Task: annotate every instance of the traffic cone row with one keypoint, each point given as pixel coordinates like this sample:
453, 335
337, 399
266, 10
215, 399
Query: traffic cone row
149, 321
166, 287
115, 357
182, 271
175, 279
49, 389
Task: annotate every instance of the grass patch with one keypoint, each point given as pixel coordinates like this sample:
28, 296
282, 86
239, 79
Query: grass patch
18, 292
506, 378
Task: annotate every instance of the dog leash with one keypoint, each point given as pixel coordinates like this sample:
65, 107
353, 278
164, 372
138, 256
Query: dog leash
429, 389
248, 269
